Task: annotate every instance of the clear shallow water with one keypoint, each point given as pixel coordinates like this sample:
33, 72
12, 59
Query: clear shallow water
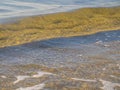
19, 8
64, 62
62, 50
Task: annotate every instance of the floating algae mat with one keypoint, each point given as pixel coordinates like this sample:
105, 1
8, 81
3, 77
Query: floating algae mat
84, 21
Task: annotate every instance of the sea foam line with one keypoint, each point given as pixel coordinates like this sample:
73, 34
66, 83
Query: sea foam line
107, 85
38, 75
36, 87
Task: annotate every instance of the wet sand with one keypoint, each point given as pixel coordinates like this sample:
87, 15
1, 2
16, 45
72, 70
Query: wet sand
89, 62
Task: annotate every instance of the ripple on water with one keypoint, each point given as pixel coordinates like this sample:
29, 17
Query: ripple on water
4, 10
53, 51
38, 75
36, 87
107, 85
35, 7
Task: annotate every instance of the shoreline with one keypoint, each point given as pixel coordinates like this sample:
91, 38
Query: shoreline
62, 24
19, 18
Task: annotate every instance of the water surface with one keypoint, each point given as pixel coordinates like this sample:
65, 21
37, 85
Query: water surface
54, 51
19, 8
70, 62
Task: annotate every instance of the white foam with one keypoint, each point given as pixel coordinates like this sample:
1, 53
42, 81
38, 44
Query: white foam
80, 55
114, 76
20, 78
106, 45
104, 69
118, 66
3, 76
36, 87
84, 80
99, 42
40, 74
108, 85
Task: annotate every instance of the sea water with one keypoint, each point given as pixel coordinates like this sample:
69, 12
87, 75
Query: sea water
20, 8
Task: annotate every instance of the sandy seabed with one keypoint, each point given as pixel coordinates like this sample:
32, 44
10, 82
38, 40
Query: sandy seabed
89, 62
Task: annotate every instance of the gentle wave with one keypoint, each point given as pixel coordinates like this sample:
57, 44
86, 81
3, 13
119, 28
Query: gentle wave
19, 8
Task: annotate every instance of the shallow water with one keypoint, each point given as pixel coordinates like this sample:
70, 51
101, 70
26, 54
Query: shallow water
20, 8
55, 64
59, 50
